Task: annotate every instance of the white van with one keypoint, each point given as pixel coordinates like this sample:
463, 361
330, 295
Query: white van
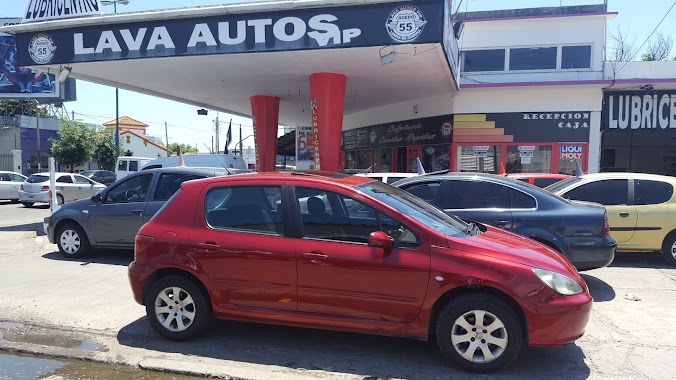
127, 165
228, 161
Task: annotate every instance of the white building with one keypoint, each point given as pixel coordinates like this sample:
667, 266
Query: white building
134, 140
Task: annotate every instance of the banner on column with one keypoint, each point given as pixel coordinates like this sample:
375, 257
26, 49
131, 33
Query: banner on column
313, 139
305, 154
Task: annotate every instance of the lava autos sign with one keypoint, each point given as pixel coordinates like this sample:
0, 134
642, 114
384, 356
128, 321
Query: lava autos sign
298, 29
638, 111
43, 10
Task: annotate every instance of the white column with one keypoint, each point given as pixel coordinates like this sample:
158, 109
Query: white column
594, 142
16, 161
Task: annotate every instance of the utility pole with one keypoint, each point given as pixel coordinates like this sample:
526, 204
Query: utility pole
72, 113
212, 144
37, 125
218, 132
166, 134
241, 148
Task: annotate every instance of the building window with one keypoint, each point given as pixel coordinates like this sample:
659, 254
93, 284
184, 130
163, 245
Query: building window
128, 139
383, 158
539, 58
350, 160
436, 157
364, 159
576, 57
483, 60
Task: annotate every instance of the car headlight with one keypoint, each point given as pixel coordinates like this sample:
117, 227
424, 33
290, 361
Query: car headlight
559, 283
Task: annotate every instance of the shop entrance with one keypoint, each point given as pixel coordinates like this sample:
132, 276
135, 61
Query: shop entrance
406, 158
520, 157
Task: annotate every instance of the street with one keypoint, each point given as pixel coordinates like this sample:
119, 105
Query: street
48, 300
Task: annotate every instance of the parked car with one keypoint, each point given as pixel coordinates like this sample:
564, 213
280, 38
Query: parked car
641, 208
69, 187
228, 161
387, 177
111, 218
126, 165
540, 180
577, 230
245, 248
105, 177
9, 185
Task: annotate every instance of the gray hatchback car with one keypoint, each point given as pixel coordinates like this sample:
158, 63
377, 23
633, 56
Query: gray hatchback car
111, 218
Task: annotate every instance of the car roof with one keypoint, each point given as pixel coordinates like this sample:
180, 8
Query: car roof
538, 175
625, 175
185, 170
311, 176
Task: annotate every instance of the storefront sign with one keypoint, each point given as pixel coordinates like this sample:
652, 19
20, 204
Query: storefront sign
572, 152
640, 111
481, 151
525, 127
43, 10
425, 131
298, 29
305, 154
313, 138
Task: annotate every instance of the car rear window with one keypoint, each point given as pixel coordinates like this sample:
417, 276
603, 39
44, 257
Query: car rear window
544, 182
651, 192
563, 184
37, 179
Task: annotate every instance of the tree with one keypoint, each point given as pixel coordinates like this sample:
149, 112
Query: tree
105, 151
75, 145
658, 49
185, 148
622, 46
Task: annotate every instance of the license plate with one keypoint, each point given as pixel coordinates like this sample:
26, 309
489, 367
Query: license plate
31, 196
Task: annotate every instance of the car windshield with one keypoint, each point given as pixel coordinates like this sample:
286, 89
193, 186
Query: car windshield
87, 173
563, 184
416, 208
37, 178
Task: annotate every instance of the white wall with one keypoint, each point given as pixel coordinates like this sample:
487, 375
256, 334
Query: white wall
640, 70
435, 106
138, 148
537, 32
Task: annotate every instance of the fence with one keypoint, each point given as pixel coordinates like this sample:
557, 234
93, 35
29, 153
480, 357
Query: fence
6, 162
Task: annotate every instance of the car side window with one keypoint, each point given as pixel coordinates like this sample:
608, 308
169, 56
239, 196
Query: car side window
428, 191
64, 179
17, 178
651, 192
130, 190
459, 195
133, 166
349, 221
520, 200
152, 167
82, 180
255, 209
122, 166
169, 183
544, 182
4, 177
610, 192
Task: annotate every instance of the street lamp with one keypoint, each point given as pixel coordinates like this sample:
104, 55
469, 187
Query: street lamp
240, 144
117, 90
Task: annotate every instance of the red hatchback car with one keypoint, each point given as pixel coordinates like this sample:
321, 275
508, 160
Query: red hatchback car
349, 253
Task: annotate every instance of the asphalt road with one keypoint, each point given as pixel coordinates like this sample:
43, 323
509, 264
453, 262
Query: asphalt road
46, 298
16, 217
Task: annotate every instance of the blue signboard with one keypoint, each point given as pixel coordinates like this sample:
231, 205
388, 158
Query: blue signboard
297, 29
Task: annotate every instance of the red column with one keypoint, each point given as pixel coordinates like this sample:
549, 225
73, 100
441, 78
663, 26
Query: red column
327, 91
265, 111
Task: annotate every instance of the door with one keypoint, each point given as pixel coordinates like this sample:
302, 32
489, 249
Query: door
5, 186
340, 275
614, 195
119, 216
478, 200
85, 187
655, 220
413, 153
478, 158
258, 267
65, 185
167, 185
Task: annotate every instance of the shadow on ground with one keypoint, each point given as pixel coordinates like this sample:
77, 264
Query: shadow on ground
370, 357
640, 260
99, 256
28, 227
599, 289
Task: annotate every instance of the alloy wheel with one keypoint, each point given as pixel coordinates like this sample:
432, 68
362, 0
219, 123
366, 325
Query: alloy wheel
70, 241
479, 336
175, 309
673, 250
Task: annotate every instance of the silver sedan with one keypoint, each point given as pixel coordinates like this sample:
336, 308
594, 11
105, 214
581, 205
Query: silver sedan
9, 185
69, 187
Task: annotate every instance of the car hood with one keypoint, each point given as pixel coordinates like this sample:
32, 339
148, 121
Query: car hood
505, 245
78, 205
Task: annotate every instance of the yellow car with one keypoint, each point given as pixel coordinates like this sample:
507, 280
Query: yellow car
641, 208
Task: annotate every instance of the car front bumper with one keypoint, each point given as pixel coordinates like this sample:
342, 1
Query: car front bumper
42, 196
561, 320
46, 230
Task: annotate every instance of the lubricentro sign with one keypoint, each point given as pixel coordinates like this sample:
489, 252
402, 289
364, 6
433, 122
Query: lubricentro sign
43, 10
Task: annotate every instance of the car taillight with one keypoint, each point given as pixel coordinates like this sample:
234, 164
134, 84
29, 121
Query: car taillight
21, 186
45, 188
606, 227
141, 244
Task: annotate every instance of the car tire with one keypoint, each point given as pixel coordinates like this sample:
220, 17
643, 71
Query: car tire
14, 201
669, 249
474, 345
59, 199
27, 204
194, 310
72, 241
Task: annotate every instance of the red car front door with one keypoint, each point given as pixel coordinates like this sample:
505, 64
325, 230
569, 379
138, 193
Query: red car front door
340, 275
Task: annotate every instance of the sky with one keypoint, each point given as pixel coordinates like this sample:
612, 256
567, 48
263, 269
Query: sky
96, 103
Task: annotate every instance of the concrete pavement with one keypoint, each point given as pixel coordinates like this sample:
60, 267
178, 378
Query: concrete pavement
89, 300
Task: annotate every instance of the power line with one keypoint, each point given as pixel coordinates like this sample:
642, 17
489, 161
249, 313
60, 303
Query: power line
648, 39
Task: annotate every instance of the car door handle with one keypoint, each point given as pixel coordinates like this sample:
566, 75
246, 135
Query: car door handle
209, 246
500, 223
137, 212
315, 255
624, 214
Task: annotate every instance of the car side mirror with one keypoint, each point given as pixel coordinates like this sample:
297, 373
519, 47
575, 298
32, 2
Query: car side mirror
379, 239
97, 198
